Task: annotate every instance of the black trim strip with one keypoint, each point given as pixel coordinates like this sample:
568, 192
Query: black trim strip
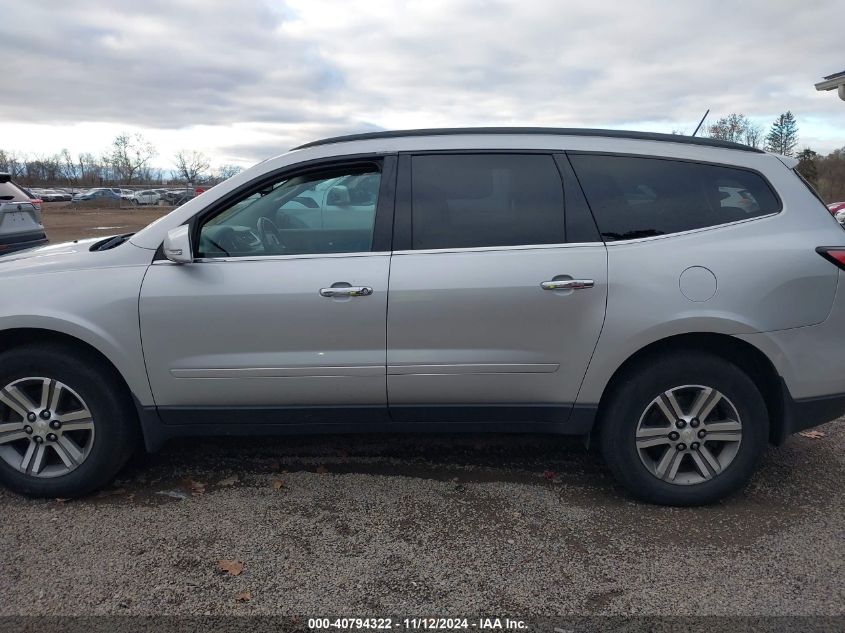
510, 413
626, 134
160, 425
256, 416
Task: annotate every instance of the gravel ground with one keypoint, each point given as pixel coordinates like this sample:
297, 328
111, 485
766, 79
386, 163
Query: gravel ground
431, 525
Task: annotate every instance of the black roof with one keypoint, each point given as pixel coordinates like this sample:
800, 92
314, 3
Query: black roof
835, 75
562, 131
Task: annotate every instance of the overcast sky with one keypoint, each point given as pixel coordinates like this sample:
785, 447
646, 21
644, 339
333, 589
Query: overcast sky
247, 79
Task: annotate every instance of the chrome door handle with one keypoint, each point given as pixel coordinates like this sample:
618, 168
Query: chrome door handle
567, 284
346, 291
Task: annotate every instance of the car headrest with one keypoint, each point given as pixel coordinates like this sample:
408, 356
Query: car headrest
338, 196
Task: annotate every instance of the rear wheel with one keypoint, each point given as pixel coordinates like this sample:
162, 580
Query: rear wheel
66, 427
684, 429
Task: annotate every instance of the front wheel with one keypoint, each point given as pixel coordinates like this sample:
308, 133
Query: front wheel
66, 427
684, 429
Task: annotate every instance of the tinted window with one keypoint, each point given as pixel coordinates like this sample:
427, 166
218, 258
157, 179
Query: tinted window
327, 212
638, 197
469, 200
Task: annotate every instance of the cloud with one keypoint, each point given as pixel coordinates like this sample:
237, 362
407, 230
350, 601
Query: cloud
308, 68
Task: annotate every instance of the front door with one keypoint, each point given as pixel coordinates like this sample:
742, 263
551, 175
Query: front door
493, 313
282, 315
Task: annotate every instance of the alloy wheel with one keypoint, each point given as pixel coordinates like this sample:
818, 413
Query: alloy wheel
688, 435
46, 429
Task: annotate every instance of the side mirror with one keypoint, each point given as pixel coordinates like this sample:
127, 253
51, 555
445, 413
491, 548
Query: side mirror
177, 245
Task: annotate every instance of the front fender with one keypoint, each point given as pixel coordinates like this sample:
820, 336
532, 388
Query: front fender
97, 306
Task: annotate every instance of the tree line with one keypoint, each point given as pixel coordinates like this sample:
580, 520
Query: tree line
127, 161
825, 173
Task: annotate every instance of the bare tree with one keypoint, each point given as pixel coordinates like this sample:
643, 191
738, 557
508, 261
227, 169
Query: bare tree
129, 154
191, 165
224, 172
737, 127
68, 167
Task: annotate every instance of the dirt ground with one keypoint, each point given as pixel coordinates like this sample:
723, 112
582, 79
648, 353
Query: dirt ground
64, 221
441, 525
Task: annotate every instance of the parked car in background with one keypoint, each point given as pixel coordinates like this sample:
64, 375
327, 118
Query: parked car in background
177, 197
20, 219
53, 195
127, 194
147, 196
97, 194
838, 211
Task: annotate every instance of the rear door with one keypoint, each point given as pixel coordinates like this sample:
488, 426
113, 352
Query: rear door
496, 298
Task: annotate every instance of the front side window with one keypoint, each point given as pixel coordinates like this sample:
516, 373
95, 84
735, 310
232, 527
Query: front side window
476, 200
315, 213
634, 197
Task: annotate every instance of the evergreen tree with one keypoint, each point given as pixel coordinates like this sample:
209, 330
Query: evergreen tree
783, 136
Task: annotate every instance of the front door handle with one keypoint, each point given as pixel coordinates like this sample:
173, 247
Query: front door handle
567, 284
346, 291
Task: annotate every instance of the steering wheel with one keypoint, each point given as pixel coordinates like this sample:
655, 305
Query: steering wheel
270, 236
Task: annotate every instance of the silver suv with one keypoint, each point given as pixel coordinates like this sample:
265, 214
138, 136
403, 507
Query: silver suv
675, 300
20, 218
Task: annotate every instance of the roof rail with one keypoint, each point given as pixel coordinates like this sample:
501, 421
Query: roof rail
558, 131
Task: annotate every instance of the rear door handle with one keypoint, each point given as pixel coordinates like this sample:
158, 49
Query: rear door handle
567, 284
346, 291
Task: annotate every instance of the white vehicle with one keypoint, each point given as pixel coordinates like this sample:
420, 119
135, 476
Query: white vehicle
148, 196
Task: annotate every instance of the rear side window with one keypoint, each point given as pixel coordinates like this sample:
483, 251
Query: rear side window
10, 192
473, 200
635, 197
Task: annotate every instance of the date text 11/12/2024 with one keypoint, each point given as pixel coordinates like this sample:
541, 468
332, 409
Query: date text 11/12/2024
417, 624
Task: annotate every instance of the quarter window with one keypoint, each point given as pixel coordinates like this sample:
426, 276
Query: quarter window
317, 213
472, 200
635, 197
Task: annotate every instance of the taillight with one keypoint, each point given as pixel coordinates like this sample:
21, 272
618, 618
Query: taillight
835, 254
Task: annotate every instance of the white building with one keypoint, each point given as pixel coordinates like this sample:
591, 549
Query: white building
834, 82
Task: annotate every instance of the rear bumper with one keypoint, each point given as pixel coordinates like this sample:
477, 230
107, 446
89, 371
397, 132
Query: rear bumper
13, 243
16, 243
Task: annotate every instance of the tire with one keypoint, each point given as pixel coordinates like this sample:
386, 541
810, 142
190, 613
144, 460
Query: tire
633, 414
84, 383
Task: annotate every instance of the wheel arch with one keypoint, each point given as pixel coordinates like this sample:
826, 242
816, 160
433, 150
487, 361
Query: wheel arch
744, 355
18, 337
